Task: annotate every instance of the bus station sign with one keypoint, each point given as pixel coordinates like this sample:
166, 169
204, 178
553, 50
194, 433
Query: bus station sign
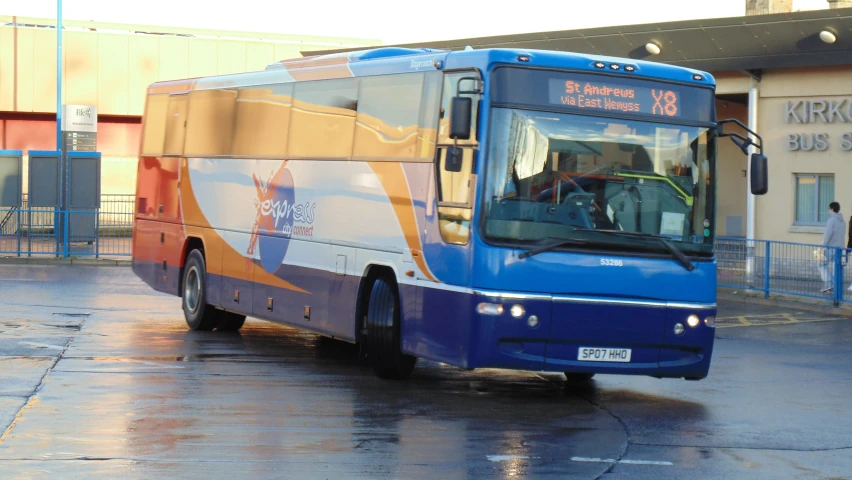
80, 128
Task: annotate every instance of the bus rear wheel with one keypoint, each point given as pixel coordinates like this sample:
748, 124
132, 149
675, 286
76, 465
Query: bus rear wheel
384, 339
198, 314
229, 321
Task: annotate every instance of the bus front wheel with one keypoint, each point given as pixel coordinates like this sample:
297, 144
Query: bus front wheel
384, 339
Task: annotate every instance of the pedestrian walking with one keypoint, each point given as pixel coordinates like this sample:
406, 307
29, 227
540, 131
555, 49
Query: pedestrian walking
848, 247
832, 242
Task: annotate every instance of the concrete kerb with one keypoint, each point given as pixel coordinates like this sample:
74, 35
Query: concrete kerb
756, 297
82, 261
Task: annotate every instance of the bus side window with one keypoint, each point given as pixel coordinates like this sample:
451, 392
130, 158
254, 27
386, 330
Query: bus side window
455, 193
176, 125
262, 120
430, 107
322, 119
153, 140
210, 122
154, 125
388, 115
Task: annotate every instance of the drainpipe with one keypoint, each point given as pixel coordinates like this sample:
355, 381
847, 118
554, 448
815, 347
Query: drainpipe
750, 220
752, 124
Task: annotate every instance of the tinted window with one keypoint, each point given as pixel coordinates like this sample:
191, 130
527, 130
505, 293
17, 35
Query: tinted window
262, 120
156, 110
323, 118
175, 125
388, 116
210, 122
429, 112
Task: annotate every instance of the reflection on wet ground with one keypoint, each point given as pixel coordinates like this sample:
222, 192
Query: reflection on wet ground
99, 378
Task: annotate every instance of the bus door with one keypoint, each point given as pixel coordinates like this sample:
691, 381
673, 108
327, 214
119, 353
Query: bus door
439, 333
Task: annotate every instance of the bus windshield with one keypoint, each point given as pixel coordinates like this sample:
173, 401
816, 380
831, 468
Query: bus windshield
613, 184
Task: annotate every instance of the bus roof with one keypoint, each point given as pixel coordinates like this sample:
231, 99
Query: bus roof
389, 60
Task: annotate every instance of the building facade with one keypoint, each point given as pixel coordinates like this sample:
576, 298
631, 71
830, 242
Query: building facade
109, 66
805, 118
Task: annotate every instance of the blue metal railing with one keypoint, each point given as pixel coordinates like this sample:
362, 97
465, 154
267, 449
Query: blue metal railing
38, 230
767, 266
801, 269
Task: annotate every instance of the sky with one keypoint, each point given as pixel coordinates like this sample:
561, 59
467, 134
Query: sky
390, 21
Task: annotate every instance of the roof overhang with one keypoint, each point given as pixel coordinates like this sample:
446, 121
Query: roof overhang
750, 43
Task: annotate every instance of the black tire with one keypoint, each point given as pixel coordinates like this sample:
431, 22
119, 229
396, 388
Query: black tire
198, 314
574, 377
229, 321
383, 333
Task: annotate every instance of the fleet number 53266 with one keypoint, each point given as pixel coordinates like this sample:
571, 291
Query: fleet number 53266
612, 262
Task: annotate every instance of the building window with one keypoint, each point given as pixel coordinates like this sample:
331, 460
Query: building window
813, 194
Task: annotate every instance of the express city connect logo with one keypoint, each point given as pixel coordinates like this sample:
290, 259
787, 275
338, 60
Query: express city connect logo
279, 218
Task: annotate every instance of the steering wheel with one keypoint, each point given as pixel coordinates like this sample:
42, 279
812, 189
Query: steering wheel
580, 189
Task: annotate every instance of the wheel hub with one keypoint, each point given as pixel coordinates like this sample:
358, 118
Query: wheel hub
192, 289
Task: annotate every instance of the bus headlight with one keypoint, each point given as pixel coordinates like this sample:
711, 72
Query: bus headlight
494, 309
517, 311
710, 321
678, 328
693, 320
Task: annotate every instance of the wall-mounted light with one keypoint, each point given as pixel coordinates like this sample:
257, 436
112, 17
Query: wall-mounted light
827, 36
652, 48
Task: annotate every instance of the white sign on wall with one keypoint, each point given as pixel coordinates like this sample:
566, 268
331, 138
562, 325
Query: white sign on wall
818, 111
80, 118
80, 128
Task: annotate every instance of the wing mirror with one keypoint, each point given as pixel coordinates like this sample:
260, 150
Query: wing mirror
460, 118
453, 160
759, 164
759, 174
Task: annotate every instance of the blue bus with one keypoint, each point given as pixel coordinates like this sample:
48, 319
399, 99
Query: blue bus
498, 208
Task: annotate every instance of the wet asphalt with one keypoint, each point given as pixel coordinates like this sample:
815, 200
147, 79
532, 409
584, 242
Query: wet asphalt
100, 378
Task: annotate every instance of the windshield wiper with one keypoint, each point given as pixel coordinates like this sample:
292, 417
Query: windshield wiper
664, 241
551, 246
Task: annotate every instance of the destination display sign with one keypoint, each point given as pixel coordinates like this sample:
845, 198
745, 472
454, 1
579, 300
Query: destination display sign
623, 95
617, 96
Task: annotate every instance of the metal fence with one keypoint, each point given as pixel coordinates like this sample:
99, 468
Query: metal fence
800, 269
763, 265
32, 231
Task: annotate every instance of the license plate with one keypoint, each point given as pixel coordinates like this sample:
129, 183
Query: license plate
592, 354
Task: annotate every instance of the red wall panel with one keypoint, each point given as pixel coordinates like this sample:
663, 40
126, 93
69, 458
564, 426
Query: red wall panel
118, 137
